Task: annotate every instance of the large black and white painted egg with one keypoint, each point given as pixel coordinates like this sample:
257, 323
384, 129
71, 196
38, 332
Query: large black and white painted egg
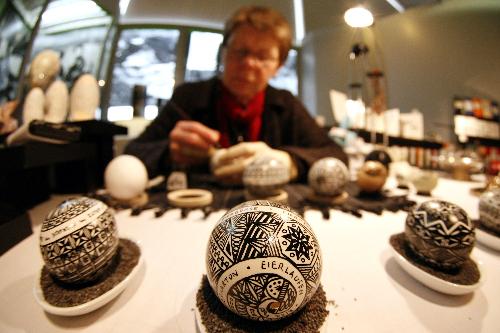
328, 176
265, 176
263, 260
78, 240
441, 233
489, 209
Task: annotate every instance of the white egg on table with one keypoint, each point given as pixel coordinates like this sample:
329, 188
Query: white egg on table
125, 177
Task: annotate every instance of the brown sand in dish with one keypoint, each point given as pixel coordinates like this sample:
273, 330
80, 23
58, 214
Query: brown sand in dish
217, 318
466, 275
64, 295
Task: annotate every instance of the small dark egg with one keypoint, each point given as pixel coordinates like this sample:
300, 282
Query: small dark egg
441, 233
380, 156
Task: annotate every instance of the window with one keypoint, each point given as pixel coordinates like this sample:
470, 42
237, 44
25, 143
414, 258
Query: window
144, 58
286, 78
202, 55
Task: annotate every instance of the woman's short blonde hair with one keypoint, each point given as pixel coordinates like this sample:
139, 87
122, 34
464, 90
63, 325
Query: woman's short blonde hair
263, 19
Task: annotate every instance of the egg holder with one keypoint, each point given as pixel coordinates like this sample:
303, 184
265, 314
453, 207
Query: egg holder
467, 275
73, 300
281, 196
226, 197
213, 316
487, 236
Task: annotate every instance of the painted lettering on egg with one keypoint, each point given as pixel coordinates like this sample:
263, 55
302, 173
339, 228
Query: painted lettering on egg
288, 270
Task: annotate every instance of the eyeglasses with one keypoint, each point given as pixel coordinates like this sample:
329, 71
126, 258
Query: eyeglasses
261, 59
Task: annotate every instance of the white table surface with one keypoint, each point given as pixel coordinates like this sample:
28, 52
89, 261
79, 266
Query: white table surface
371, 292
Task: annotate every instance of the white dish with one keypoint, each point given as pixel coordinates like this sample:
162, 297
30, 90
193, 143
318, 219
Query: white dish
434, 282
488, 239
91, 305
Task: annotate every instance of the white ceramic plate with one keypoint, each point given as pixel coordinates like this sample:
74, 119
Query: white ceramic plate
436, 283
91, 305
488, 239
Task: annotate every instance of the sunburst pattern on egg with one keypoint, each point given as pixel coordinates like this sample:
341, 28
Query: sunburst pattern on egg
263, 260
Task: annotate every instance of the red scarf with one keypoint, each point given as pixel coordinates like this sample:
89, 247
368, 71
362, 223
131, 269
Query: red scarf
231, 114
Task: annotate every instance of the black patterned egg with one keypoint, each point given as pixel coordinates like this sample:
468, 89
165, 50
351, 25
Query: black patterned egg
328, 176
265, 176
263, 260
441, 233
78, 240
380, 156
489, 209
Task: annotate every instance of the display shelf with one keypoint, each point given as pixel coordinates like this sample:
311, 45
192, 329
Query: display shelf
398, 141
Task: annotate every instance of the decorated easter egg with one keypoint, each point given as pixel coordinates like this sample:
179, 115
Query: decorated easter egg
265, 176
84, 98
424, 181
263, 260
44, 68
56, 102
489, 209
441, 233
380, 156
78, 240
125, 177
328, 176
371, 176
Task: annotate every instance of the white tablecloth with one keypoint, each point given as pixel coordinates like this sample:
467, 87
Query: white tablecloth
371, 293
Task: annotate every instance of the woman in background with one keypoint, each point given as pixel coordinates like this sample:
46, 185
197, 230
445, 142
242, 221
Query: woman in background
237, 110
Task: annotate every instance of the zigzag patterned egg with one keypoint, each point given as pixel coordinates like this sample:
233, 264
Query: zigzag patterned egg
78, 239
489, 209
441, 233
328, 176
263, 260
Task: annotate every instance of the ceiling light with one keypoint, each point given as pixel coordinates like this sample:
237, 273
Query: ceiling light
358, 17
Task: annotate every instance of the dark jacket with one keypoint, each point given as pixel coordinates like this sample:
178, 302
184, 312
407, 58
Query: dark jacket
286, 125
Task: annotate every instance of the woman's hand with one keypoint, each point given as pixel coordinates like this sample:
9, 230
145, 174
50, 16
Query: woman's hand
192, 142
229, 164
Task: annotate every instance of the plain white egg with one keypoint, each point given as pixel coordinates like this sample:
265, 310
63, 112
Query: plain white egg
125, 177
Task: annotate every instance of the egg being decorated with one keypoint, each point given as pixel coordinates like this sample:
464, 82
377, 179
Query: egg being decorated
78, 240
489, 209
265, 176
125, 177
263, 260
441, 233
328, 176
371, 176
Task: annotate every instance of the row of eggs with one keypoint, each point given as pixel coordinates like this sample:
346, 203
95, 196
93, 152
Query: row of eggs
79, 238
126, 176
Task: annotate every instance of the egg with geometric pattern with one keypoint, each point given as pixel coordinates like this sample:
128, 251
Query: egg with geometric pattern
489, 210
328, 176
78, 240
441, 233
263, 260
265, 176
